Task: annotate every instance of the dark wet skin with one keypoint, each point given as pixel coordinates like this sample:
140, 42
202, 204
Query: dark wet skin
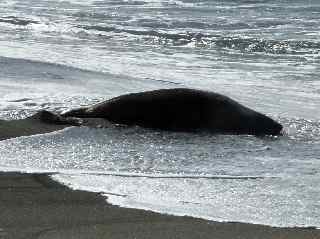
181, 110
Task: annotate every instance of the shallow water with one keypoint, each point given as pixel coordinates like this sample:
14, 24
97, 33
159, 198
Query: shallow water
57, 55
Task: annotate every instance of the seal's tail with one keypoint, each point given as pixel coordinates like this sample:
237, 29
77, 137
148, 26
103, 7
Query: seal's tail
53, 118
80, 113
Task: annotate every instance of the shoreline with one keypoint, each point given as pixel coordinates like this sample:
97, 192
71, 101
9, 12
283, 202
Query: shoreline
35, 206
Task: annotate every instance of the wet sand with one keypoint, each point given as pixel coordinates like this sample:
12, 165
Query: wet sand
34, 206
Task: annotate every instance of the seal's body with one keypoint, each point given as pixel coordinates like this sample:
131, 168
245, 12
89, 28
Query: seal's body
181, 110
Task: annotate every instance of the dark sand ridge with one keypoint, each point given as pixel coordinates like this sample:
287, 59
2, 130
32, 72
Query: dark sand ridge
38, 124
35, 207
25, 127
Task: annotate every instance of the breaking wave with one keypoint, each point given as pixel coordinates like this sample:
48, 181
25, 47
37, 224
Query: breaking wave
238, 43
17, 21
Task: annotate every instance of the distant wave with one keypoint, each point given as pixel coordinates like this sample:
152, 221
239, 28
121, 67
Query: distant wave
160, 176
268, 46
120, 3
50, 70
17, 21
237, 43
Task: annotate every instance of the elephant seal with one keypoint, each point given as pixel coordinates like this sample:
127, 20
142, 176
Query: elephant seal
181, 109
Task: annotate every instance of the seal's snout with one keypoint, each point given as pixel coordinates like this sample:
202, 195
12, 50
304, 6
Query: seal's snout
274, 128
277, 129
280, 129
267, 126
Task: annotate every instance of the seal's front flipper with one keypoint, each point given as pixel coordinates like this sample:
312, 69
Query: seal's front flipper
96, 123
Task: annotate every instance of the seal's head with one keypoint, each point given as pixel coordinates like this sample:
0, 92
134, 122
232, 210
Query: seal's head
232, 117
263, 125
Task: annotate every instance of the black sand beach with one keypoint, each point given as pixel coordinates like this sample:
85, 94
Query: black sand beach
34, 206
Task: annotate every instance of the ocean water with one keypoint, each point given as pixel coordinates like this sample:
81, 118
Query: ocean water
57, 55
